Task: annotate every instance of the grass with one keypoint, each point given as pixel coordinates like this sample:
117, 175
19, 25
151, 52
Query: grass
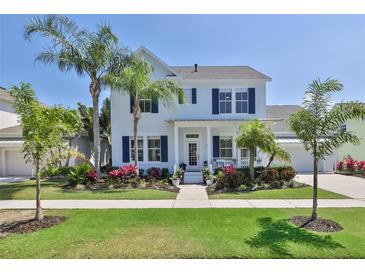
52, 189
190, 233
289, 193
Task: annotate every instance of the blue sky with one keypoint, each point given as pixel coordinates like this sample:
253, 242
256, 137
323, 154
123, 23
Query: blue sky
292, 49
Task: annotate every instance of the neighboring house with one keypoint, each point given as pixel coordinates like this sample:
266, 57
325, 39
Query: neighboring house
355, 151
201, 132
12, 162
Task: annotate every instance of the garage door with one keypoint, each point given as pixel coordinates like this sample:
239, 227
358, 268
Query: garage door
15, 164
301, 160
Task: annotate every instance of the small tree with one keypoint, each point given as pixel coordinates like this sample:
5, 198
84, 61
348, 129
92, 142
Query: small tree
135, 80
43, 131
255, 134
318, 126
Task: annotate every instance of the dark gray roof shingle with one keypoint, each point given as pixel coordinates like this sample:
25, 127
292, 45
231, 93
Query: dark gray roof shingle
220, 72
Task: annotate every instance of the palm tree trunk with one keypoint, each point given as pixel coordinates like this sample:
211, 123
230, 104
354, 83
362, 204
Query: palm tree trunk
252, 163
96, 131
272, 157
315, 188
135, 147
38, 211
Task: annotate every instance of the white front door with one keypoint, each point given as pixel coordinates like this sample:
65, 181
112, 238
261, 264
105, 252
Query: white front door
192, 155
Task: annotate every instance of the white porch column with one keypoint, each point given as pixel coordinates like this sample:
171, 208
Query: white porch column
209, 147
176, 146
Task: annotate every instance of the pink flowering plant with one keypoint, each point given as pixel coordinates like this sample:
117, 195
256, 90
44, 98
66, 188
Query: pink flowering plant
350, 165
230, 170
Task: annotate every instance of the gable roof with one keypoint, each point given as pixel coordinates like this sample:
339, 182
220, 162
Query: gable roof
5, 95
220, 72
158, 60
283, 112
208, 72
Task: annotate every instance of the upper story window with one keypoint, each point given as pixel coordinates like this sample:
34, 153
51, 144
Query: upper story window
225, 147
241, 101
145, 104
225, 101
154, 149
188, 96
140, 148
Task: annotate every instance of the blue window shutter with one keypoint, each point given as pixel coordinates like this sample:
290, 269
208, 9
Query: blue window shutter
154, 106
251, 101
215, 146
131, 97
215, 101
193, 95
125, 145
164, 149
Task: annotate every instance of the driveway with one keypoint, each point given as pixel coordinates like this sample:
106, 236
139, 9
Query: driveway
353, 187
12, 179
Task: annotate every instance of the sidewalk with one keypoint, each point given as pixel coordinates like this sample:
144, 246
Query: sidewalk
193, 203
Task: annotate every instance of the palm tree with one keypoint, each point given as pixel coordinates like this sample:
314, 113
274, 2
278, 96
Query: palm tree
94, 54
105, 125
135, 80
317, 126
255, 134
276, 151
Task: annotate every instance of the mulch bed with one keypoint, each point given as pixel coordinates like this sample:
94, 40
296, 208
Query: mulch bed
319, 225
31, 225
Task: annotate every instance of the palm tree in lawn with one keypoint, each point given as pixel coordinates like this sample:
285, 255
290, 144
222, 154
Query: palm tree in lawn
135, 80
106, 126
317, 125
92, 54
255, 134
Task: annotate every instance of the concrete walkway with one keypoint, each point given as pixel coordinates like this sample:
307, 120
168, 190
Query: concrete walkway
12, 179
353, 187
234, 203
192, 196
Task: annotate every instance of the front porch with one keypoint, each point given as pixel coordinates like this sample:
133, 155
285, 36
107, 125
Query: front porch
210, 144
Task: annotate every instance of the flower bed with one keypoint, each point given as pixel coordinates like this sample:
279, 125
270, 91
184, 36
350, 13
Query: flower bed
127, 176
350, 166
232, 179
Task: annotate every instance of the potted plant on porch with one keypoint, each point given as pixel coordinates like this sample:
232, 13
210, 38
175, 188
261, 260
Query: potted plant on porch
176, 179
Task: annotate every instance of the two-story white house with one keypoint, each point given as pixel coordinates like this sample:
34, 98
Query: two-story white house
201, 132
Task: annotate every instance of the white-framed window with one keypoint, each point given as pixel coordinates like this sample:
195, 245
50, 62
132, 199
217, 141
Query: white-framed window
188, 95
145, 104
241, 101
140, 148
192, 136
154, 149
225, 100
225, 147
245, 152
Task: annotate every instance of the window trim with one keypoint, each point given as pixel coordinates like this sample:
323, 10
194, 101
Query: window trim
190, 90
144, 100
152, 137
242, 90
131, 139
225, 148
225, 90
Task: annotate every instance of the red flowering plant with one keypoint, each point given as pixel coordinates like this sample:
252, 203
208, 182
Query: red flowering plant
230, 170
92, 176
361, 165
154, 173
340, 165
350, 164
114, 174
128, 171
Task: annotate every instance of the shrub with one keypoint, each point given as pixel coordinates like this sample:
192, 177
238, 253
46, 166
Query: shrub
141, 172
114, 174
287, 174
350, 164
92, 176
361, 165
270, 175
154, 173
53, 171
231, 179
276, 184
165, 173
340, 165
128, 171
230, 170
78, 174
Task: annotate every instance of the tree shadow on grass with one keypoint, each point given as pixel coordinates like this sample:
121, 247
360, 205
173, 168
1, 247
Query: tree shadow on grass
275, 235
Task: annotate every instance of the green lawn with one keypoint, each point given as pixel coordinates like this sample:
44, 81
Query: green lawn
289, 193
190, 233
52, 190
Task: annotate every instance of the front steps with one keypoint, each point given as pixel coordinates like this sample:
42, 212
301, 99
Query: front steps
193, 177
